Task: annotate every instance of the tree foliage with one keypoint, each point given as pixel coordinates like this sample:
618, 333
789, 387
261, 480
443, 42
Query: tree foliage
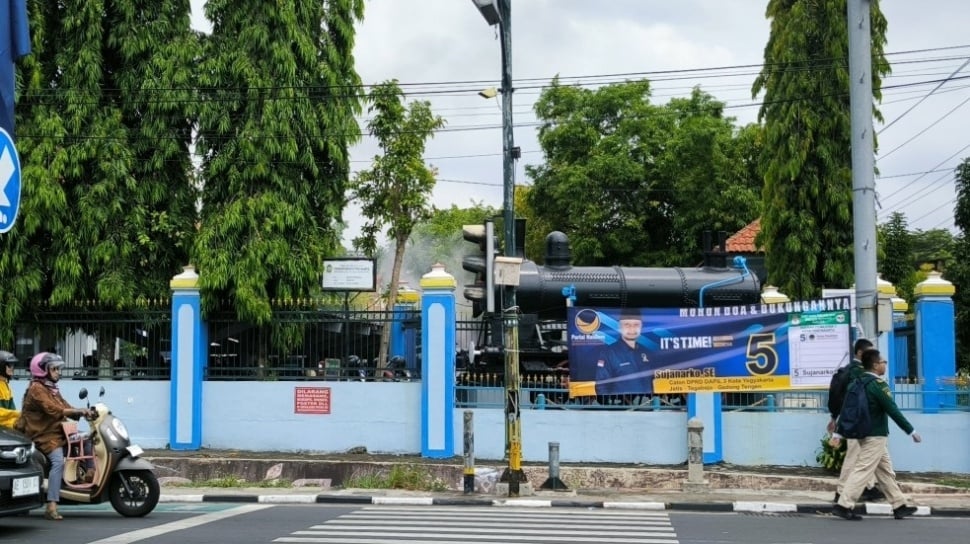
634, 183
395, 192
897, 266
438, 239
108, 204
806, 228
276, 118
959, 271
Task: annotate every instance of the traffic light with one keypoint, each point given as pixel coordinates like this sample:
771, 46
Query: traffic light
482, 292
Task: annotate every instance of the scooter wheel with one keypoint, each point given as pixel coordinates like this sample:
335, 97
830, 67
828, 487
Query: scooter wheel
134, 493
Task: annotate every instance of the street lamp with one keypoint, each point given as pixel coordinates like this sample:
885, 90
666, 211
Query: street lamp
490, 11
498, 12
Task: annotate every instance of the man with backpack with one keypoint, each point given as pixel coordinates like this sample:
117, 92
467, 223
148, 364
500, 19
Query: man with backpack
837, 388
864, 420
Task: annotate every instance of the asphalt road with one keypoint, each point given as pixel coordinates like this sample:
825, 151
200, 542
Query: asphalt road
227, 523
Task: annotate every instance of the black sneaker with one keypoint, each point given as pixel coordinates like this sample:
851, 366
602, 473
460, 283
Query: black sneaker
873, 494
903, 511
845, 513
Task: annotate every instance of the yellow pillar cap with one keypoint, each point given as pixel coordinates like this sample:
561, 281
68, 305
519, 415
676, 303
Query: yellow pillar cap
884, 287
771, 295
438, 278
934, 285
188, 279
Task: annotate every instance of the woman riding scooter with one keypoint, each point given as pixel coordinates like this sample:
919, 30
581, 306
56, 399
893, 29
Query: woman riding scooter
43, 411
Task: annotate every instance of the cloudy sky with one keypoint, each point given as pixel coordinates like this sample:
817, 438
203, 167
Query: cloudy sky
443, 51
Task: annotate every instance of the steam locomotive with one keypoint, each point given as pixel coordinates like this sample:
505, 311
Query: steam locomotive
543, 292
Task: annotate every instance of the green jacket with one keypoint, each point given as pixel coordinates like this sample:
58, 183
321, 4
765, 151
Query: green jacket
881, 405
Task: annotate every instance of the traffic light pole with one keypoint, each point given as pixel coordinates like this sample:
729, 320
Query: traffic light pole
513, 474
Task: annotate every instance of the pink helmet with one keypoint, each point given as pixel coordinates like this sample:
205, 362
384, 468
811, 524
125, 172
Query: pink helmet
44, 361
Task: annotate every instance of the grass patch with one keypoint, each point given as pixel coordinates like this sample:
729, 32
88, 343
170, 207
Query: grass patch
409, 477
233, 481
955, 482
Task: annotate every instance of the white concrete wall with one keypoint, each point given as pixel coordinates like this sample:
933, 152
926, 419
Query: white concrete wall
384, 417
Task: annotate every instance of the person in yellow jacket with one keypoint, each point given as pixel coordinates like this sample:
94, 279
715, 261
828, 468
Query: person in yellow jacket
8, 409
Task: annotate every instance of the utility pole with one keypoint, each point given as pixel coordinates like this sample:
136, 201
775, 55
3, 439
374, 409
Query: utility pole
499, 12
513, 474
863, 163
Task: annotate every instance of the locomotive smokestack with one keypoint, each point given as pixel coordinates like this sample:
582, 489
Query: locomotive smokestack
558, 254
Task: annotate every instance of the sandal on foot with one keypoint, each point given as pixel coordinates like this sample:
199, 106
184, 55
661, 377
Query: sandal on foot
53, 515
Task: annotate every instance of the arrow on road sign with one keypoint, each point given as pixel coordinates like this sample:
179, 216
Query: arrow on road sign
9, 182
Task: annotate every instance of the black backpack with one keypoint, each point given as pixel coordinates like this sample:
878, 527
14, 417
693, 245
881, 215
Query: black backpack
854, 419
837, 387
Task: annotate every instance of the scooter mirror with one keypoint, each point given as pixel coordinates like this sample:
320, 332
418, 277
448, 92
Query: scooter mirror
101, 393
83, 393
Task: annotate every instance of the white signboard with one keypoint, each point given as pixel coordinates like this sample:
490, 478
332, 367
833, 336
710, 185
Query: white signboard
349, 274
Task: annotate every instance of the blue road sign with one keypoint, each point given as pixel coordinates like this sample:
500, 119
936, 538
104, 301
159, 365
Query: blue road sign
9, 182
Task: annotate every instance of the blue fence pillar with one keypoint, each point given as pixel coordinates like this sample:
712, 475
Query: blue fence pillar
402, 330
190, 348
437, 363
900, 348
935, 340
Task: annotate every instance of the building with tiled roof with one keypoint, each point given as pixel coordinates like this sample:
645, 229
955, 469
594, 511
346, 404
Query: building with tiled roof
742, 241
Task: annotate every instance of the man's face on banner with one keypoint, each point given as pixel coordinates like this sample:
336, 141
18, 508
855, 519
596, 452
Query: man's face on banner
630, 329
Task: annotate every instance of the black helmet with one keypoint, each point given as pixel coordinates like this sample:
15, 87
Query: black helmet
8, 358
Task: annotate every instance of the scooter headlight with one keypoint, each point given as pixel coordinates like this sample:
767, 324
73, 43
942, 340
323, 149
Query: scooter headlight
120, 428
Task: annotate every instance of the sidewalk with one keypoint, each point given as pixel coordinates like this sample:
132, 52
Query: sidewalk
726, 489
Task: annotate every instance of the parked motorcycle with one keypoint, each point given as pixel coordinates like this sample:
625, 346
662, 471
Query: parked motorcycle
121, 476
396, 370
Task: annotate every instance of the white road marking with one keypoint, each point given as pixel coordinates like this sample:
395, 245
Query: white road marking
188, 523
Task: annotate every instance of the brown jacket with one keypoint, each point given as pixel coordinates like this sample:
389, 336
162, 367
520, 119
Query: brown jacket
41, 416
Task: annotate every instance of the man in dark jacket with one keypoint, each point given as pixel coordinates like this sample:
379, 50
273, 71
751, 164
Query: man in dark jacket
873, 454
622, 367
837, 389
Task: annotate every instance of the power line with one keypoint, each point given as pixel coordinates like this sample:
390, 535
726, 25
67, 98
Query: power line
911, 108
928, 127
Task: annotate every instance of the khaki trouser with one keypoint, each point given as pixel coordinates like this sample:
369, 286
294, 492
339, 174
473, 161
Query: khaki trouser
872, 460
848, 463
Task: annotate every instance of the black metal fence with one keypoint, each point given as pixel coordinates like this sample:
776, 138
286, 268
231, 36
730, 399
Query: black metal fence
302, 342
305, 341
100, 343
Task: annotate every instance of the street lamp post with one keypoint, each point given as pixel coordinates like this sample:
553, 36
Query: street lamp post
498, 12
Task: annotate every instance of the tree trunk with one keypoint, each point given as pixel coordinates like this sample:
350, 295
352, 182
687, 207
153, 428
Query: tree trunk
384, 354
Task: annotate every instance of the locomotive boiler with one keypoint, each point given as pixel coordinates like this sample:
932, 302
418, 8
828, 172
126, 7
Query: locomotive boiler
545, 291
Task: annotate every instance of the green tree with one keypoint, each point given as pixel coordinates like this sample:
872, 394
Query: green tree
897, 266
276, 119
806, 228
959, 270
438, 239
395, 191
934, 246
108, 199
634, 183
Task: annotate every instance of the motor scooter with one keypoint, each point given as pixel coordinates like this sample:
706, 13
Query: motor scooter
121, 476
396, 370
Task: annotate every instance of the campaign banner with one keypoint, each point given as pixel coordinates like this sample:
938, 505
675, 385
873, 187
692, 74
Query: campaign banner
753, 347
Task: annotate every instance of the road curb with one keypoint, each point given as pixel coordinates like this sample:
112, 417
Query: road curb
870, 509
